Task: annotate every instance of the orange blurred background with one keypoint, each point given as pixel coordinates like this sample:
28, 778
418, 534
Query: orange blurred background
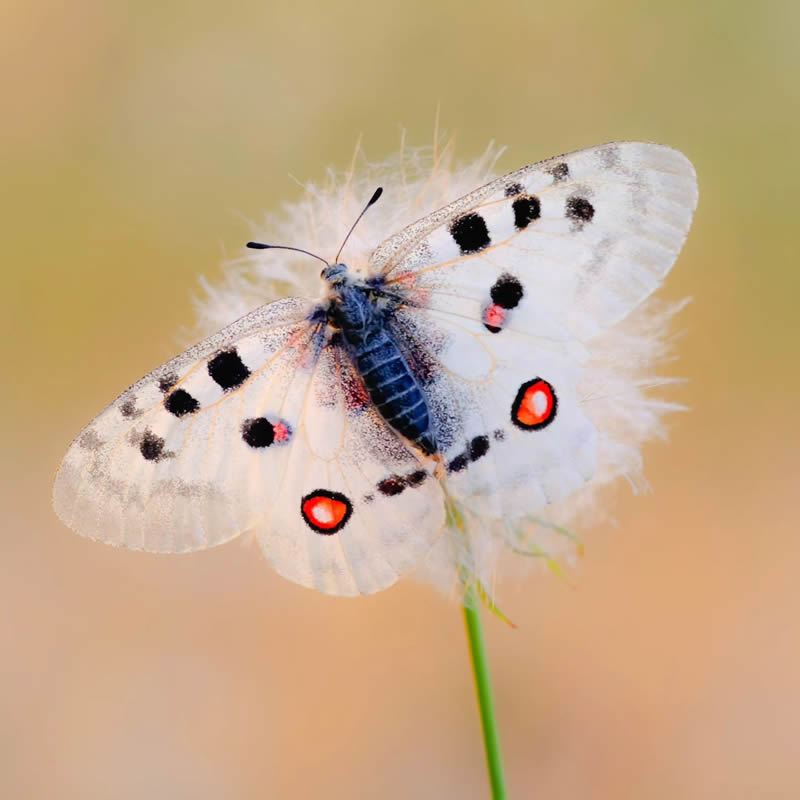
134, 136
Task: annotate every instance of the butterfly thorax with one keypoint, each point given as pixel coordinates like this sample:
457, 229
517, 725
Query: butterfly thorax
362, 314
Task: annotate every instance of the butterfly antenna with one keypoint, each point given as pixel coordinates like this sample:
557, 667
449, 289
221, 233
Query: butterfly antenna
260, 246
374, 199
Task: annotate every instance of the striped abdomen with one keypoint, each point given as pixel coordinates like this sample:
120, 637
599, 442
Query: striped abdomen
393, 389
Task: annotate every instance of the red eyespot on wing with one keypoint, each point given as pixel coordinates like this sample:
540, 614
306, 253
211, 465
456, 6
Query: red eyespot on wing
281, 432
494, 317
325, 512
535, 405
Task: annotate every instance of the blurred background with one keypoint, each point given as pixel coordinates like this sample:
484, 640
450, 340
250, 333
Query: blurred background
136, 138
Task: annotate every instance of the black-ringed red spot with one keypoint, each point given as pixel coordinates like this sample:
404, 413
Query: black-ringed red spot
506, 293
494, 316
325, 512
535, 405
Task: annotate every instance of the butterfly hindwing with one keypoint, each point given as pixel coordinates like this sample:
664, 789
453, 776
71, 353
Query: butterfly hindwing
509, 419
369, 503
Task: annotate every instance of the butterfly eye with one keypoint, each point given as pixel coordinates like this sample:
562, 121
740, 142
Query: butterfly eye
334, 273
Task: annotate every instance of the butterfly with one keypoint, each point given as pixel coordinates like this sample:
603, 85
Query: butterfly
444, 369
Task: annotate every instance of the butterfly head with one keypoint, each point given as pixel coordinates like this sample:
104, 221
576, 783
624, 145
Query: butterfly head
335, 274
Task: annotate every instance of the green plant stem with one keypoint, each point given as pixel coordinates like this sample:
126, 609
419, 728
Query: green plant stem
483, 686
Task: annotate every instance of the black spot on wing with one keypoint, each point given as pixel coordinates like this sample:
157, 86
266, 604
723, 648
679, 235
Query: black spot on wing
152, 447
470, 233
228, 370
166, 382
478, 447
392, 486
610, 157
89, 440
526, 210
560, 171
460, 462
416, 478
507, 291
513, 189
180, 403
579, 209
258, 432
397, 484
128, 409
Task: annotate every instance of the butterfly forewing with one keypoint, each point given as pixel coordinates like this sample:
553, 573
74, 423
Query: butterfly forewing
158, 469
590, 234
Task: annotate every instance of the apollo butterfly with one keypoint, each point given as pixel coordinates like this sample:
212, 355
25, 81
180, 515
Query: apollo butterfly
443, 365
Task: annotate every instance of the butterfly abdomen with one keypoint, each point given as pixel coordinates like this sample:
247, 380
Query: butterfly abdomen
387, 377
394, 390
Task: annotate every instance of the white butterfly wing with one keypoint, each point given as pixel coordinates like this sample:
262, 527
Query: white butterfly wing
504, 287
261, 427
590, 234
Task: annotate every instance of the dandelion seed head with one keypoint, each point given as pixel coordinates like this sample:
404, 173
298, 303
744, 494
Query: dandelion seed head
619, 387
